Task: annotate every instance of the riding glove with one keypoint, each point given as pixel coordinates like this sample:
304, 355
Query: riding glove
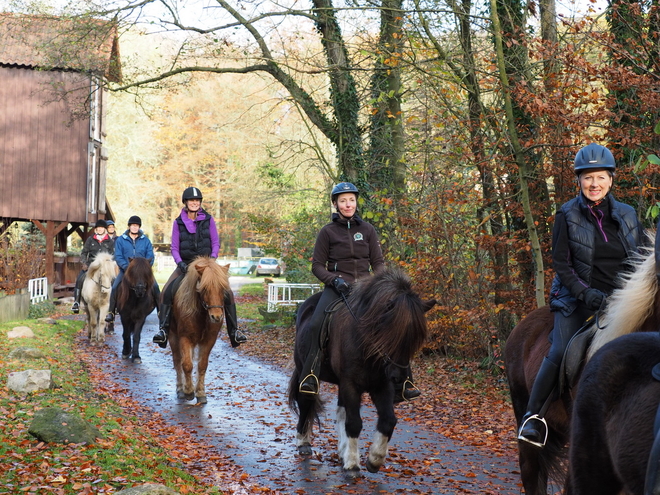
183, 266
593, 298
341, 286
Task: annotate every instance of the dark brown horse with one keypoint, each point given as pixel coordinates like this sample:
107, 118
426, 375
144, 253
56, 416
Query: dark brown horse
631, 308
137, 297
197, 318
366, 344
612, 428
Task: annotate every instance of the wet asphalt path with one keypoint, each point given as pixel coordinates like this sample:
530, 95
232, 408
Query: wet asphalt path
248, 419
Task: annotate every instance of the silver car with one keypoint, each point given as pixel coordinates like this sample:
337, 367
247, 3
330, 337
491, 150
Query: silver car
268, 266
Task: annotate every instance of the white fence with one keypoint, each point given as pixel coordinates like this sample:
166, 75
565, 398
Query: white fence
289, 294
38, 289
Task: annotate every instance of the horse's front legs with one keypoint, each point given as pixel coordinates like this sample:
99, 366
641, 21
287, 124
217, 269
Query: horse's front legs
202, 365
184, 383
349, 426
384, 429
137, 334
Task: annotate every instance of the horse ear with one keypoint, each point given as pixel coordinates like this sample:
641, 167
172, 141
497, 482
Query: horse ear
427, 305
225, 268
130, 259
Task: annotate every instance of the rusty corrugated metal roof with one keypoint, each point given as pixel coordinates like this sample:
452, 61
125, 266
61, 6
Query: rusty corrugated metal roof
48, 42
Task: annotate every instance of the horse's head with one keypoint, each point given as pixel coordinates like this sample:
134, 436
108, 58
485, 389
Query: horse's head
102, 271
210, 282
139, 276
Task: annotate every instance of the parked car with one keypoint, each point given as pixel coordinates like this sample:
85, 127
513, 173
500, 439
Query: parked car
268, 266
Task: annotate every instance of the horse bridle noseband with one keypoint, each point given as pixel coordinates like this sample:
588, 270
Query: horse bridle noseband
98, 282
207, 307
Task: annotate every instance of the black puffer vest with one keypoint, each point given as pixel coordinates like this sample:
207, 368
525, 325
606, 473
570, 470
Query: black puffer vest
582, 238
197, 244
582, 232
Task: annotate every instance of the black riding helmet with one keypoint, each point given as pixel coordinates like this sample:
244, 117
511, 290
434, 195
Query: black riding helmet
191, 193
101, 223
135, 219
343, 187
594, 156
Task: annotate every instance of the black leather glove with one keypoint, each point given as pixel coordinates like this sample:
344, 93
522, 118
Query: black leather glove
183, 266
593, 298
341, 286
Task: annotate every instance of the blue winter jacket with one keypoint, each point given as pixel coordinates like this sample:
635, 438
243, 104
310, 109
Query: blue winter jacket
126, 248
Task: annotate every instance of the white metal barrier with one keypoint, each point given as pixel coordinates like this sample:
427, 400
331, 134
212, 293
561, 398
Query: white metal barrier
289, 294
38, 288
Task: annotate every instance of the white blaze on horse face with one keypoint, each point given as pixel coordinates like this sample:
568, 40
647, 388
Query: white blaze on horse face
378, 450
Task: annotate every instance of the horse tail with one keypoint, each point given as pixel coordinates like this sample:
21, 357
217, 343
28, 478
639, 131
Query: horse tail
629, 306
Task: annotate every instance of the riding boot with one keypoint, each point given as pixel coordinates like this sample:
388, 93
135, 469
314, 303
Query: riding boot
404, 388
76, 301
310, 372
163, 325
110, 317
236, 337
534, 429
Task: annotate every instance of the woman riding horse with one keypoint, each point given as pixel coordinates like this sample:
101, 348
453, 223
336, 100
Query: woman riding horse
131, 244
100, 242
344, 251
194, 234
594, 236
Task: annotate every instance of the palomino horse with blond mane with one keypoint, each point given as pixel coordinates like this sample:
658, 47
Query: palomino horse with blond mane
197, 318
632, 308
96, 295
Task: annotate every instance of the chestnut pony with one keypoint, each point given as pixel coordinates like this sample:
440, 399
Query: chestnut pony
197, 318
631, 308
136, 300
375, 333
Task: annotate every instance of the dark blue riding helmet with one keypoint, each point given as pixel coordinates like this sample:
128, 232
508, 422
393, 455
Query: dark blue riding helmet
594, 156
343, 187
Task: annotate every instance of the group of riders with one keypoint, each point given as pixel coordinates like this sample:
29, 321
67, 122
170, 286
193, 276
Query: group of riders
594, 238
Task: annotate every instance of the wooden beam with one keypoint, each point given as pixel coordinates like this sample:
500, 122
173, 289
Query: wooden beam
50, 247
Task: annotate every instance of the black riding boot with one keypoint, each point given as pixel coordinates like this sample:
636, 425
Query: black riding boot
76, 301
404, 388
236, 337
163, 325
534, 429
110, 317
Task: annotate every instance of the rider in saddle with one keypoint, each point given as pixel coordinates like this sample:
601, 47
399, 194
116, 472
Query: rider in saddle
131, 244
194, 234
345, 250
593, 237
100, 242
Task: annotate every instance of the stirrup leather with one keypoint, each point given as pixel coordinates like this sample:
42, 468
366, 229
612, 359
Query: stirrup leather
304, 380
525, 439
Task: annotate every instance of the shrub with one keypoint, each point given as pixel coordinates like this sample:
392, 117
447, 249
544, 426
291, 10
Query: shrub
41, 310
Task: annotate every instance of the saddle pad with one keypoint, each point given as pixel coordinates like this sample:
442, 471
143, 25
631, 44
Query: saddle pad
575, 353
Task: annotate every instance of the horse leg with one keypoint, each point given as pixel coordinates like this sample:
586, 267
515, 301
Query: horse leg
126, 336
305, 426
349, 426
137, 333
202, 364
384, 429
184, 386
175, 346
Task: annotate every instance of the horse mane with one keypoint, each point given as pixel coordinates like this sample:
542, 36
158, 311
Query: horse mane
630, 305
203, 275
101, 262
390, 314
139, 269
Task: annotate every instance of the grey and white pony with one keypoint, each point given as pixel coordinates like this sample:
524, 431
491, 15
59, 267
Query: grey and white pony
96, 295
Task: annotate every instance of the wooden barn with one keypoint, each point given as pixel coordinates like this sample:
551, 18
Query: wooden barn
52, 157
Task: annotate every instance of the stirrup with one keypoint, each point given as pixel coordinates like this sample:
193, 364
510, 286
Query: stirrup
110, 317
302, 382
410, 387
240, 337
522, 438
75, 307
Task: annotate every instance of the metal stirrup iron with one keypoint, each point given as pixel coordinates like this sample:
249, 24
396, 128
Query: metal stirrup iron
535, 417
300, 389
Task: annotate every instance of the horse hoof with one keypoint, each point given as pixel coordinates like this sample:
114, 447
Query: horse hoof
305, 450
137, 360
372, 468
201, 400
125, 356
184, 396
353, 472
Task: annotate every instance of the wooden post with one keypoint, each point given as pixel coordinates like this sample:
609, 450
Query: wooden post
50, 248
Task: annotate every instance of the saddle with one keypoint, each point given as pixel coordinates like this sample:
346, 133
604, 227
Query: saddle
576, 351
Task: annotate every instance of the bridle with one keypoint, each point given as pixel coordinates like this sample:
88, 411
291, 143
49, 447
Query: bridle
207, 306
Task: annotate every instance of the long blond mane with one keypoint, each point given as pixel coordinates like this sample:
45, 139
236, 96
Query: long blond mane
204, 275
629, 306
